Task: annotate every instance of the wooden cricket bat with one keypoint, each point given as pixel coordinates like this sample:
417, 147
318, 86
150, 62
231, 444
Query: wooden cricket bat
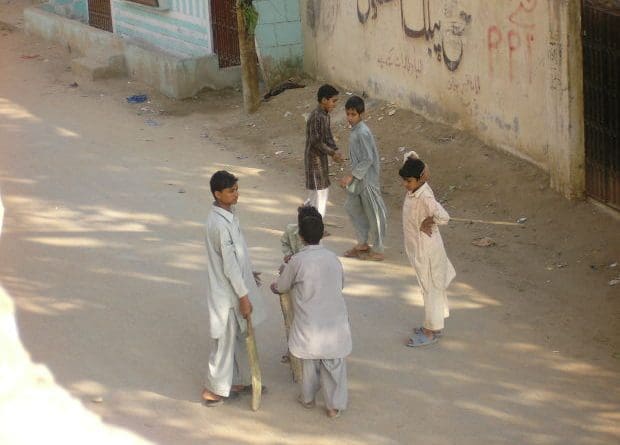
250, 343
287, 313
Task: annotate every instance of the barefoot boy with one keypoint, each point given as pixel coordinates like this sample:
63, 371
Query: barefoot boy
320, 335
232, 294
364, 203
320, 144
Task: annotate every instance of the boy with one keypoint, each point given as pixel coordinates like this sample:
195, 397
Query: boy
320, 144
424, 246
364, 204
290, 241
320, 334
232, 295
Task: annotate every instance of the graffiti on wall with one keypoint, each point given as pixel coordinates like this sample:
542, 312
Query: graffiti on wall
517, 36
445, 39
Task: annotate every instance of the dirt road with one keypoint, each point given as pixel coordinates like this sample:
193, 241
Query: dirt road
103, 252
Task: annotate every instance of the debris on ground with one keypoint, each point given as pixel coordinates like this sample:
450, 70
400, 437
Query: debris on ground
484, 241
73, 85
137, 98
614, 281
521, 220
30, 56
280, 88
152, 123
392, 112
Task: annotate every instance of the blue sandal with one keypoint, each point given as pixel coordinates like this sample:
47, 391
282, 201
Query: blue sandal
438, 334
420, 339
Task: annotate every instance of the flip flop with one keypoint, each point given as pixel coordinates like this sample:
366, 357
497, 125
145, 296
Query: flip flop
354, 253
438, 334
420, 339
372, 256
247, 389
307, 405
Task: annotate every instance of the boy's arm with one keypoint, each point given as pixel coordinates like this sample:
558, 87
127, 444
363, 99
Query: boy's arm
318, 127
440, 216
285, 281
366, 149
232, 269
285, 243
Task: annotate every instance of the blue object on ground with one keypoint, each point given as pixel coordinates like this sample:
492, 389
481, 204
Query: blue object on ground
137, 98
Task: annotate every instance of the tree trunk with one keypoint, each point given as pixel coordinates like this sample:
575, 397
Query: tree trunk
249, 60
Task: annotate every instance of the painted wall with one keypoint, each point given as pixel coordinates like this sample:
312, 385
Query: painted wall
278, 34
182, 27
72, 9
507, 71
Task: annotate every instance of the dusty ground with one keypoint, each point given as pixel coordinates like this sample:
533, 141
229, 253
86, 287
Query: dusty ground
103, 254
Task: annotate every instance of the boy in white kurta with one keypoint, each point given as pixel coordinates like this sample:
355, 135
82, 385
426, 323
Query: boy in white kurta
320, 334
232, 294
424, 246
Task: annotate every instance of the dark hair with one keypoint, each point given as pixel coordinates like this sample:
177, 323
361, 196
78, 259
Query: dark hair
306, 210
222, 180
355, 103
326, 92
412, 168
311, 229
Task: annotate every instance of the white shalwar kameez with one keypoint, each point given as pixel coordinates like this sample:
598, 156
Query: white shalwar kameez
427, 253
229, 277
320, 335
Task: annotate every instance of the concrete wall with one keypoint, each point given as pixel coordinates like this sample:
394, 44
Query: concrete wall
181, 27
509, 71
279, 36
73, 9
172, 74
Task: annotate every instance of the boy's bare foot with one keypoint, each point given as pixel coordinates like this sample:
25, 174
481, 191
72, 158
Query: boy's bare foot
333, 413
211, 399
373, 256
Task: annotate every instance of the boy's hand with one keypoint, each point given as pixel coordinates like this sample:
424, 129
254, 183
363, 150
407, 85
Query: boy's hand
337, 157
287, 258
346, 181
274, 288
245, 307
257, 278
427, 225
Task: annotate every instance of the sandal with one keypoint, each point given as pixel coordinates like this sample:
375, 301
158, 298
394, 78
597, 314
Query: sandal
421, 329
372, 256
307, 405
354, 253
421, 339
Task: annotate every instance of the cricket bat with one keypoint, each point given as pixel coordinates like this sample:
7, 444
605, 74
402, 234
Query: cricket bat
250, 343
287, 313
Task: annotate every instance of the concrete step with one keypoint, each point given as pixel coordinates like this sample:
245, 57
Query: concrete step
100, 66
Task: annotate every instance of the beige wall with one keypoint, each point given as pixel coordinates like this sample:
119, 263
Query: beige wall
505, 70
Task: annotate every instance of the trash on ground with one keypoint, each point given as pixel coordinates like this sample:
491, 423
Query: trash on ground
612, 265
391, 112
137, 98
280, 88
30, 56
348, 93
521, 220
182, 191
446, 139
614, 281
152, 123
401, 149
485, 241
279, 152
380, 118
73, 85
287, 114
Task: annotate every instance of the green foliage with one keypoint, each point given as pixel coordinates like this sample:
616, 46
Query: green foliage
250, 15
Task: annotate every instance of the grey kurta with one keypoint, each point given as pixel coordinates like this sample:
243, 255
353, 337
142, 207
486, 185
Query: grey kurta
366, 209
320, 330
229, 272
